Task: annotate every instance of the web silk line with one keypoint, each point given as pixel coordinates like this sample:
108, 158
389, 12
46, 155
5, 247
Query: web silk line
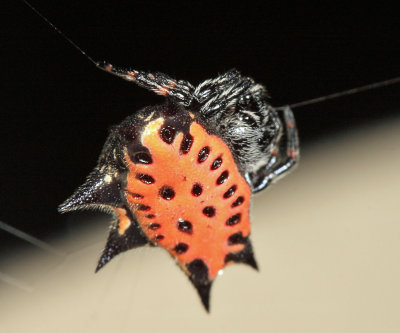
348, 92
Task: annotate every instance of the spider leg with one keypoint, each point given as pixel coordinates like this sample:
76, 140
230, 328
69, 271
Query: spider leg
284, 153
161, 84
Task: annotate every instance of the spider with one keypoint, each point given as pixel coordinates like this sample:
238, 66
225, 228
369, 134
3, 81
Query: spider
180, 175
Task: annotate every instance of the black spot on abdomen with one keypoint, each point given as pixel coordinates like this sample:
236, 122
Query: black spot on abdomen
235, 219
181, 248
216, 164
167, 193
167, 134
143, 207
209, 211
203, 154
141, 158
231, 191
147, 179
185, 226
223, 177
238, 202
186, 143
237, 238
154, 226
197, 190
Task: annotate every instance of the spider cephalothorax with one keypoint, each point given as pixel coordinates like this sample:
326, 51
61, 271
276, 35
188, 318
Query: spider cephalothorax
180, 175
241, 115
236, 109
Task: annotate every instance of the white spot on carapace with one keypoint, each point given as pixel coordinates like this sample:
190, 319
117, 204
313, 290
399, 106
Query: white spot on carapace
107, 179
150, 116
152, 126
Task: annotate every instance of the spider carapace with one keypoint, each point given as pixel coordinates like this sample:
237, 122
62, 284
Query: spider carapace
180, 175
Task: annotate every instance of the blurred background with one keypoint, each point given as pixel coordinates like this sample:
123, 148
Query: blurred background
326, 237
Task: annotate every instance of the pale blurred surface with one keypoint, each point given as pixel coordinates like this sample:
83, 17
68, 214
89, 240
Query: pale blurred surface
326, 238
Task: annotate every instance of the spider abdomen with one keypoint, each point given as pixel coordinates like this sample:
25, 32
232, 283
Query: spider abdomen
184, 200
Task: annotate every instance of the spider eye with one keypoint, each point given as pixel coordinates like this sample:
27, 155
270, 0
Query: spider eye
249, 120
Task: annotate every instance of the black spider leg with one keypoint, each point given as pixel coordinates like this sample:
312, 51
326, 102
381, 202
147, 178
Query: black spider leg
284, 153
181, 91
221, 93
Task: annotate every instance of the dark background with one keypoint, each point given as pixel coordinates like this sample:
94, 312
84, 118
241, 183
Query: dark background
57, 107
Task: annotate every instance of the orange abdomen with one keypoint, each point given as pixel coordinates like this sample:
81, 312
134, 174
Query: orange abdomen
189, 196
